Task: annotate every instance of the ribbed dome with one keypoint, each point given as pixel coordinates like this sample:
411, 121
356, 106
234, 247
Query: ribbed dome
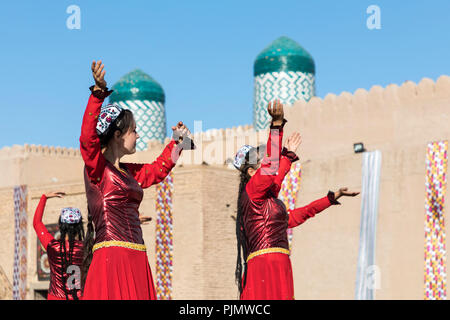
283, 54
137, 85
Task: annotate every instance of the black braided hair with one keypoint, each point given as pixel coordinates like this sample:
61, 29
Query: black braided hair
252, 160
87, 249
73, 231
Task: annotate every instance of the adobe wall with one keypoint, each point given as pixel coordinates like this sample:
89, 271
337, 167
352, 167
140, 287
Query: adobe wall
397, 120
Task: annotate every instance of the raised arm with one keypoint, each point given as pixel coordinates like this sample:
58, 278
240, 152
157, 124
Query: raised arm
152, 173
89, 141
41, 231
264, 177
288, 157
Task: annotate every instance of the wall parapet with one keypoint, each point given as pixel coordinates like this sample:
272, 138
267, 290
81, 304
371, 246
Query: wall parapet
17, 151
391, 94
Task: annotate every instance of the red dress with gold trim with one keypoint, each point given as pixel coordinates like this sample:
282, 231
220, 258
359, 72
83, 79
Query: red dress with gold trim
53, 248
265, 222
119, 268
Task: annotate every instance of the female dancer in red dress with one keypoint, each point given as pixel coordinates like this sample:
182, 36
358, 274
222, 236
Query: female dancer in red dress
116, 257
262, 219
65, 255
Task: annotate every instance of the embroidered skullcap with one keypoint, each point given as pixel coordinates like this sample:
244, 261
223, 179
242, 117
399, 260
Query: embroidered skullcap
70, 215
108, 114
239, 159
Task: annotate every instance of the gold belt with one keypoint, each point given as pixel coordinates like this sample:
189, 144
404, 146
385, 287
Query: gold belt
268, 250
123, 244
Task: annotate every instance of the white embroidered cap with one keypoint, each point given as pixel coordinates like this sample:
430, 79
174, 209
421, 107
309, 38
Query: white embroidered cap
239, 159
108, 114
70, 215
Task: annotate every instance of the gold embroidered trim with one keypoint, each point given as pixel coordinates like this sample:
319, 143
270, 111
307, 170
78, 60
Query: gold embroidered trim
115, 243
268, 250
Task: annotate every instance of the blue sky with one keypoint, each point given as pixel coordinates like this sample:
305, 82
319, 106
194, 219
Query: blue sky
202, 53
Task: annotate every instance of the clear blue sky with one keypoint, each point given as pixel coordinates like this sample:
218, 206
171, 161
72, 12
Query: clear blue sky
202, 53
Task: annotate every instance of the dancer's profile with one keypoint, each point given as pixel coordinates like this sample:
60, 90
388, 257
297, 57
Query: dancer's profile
65, 255
262, 219
115, 265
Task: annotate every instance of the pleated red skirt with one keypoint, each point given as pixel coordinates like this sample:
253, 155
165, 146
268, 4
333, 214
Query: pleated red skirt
118, 273
269, 277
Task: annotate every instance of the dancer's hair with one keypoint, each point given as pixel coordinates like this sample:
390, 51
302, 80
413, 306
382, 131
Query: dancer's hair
123, 123
87, 249
251, 161
73, 231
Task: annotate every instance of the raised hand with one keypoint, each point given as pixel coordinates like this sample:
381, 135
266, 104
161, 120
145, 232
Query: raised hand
56, 194
276, 111
180, 131
293, 142
99, 74
344, 192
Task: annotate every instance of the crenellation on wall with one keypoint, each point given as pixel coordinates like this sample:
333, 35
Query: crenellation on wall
391, 115
344, 99
398, 120
407, 92
426, 88
38, 150
442, 87
360, 97
330, 99
375, 96
390, 94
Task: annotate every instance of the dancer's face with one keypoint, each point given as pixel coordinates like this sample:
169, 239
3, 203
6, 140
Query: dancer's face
128, 140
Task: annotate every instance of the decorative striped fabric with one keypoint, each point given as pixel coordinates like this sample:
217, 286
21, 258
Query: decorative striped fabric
435, 278
164, 238
367, 278
289, 191
20, 243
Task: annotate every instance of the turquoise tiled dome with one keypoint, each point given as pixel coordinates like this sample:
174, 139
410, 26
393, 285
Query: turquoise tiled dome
283, 54
137, 85
140, 93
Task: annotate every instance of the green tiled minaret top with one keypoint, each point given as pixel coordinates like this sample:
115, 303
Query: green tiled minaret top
137, 85
283, 54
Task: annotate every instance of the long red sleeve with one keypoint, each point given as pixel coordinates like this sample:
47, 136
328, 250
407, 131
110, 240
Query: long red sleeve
90, 142
151, 173
265, 177
300, 215
44, 236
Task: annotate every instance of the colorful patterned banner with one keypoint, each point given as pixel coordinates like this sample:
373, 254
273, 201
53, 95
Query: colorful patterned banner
20, 243
289, 191
435, 253
164, 239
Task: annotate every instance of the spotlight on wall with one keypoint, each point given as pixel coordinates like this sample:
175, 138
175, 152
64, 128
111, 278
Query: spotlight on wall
358, 147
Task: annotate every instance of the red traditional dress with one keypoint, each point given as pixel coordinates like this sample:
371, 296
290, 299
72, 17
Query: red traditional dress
266, 220
119, 268
53, 248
